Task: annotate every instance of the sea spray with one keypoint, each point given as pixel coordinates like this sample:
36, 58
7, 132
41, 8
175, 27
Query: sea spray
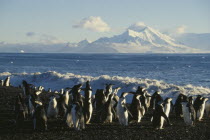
56, 81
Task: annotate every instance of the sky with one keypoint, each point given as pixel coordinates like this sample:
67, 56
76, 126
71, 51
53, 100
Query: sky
57, 21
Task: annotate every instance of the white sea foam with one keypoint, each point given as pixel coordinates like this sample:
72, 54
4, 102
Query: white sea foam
56, 81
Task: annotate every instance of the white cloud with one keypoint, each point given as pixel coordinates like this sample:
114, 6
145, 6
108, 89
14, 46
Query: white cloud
181, 29
95, 24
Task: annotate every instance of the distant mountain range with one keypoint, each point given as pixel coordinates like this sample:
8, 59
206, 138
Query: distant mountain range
198, 41
138, 38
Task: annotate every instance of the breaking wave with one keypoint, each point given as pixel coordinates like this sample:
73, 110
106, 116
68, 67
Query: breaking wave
56, 81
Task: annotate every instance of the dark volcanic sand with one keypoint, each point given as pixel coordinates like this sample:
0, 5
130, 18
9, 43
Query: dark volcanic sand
58, 130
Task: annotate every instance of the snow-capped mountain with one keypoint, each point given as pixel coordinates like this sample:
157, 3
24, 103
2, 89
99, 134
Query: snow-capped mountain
140, 38
137, 38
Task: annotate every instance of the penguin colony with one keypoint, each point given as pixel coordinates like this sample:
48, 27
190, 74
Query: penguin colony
77, 109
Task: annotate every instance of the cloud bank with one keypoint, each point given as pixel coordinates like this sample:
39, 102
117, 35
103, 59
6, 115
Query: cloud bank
44, 38
92, 23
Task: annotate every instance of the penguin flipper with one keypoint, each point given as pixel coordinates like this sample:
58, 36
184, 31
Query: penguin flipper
126, 109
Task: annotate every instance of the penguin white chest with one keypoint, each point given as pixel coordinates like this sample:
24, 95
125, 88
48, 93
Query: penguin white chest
75, 117
52, 108
167, 109
201, 112
161, 121
186, 114
121, 112
7, 81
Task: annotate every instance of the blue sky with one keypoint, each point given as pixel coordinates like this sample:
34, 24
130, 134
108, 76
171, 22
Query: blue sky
29, 21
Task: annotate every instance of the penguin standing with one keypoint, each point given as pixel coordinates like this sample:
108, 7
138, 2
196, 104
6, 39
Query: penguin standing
156, 97
197, 105
122, 110
63, 102
115, 102
75, 113
138, 104
7, 82
52, 110
31, 102
77, 116
107, 114
188, 113
201, 109
39, 116
167, 106
178, 105
100, 100
157, 115
137, 110
143, 100
88, 108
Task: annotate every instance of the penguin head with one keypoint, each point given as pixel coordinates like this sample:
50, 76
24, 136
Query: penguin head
191, 97
167, 100
159, 91
138, 96
116, 90
78, 86
140, 90
204, 99
88, 84
41, 88
199, 98
109, 87
185, 98
24, 83
124, 94
37, 103
37, 92
52, 97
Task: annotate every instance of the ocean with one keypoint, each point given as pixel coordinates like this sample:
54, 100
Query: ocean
170, 73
